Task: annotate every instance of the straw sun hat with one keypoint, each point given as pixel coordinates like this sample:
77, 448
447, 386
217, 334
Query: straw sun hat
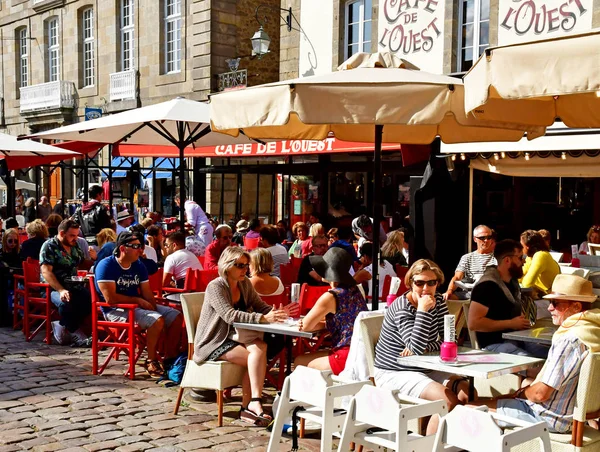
573, 288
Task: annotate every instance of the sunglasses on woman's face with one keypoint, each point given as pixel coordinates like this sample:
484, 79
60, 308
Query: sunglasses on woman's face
11, 241
135, 246
241, 266
422, 282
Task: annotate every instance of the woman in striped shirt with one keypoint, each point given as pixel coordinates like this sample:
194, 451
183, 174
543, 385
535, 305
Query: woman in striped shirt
413, 325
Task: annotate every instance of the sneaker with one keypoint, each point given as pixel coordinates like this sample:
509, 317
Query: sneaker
85, 342
60, 333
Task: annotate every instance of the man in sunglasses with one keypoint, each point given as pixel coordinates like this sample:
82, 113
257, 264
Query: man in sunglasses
496, 305
551, 397
60, 257
123, 279
472, 265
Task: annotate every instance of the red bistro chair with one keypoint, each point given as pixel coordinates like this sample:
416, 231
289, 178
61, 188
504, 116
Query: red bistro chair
19, 298
385, 290
308, 298
37, 307
251, 244
401, 272
126, 337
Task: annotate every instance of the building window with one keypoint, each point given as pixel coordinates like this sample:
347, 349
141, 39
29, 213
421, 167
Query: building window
89, 65
22, 43
172, 36
358, 27
474, 35
127, 35
53, 50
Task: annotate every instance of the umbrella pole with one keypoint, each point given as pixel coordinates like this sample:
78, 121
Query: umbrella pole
182, 191
376, 216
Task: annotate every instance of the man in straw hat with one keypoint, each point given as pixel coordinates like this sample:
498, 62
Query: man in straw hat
551, 397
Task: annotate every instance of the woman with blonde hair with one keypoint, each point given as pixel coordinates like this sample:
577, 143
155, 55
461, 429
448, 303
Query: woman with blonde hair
106, 239
261, 267
414, 325
315, 230
393, 249
37, 233
228, 299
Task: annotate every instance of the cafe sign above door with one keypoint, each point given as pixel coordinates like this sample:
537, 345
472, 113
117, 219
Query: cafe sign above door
413, 30
532, 20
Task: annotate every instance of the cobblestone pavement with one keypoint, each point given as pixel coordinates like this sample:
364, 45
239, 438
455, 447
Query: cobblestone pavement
49, 400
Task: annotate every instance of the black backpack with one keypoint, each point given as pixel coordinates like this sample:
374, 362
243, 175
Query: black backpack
91, 222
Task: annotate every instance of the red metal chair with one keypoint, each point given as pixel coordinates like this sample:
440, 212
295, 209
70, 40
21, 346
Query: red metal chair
288, 275
401, 272
156, 283
251, 244
195, 281
201, 260
37, 307
124, 337
203, 277
308, 298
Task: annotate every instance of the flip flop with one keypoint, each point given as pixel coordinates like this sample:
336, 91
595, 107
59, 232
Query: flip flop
260, 420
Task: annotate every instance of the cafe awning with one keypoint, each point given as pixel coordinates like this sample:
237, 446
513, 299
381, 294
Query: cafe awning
284, 148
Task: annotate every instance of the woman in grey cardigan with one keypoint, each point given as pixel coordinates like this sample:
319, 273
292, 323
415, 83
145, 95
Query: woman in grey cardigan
228, 299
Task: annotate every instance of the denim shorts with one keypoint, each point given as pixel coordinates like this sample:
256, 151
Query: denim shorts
517, 408
143, 317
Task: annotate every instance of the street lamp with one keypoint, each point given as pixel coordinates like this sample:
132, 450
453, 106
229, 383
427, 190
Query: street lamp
260, 40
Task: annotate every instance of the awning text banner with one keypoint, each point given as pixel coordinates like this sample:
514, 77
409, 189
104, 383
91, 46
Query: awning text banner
271, 149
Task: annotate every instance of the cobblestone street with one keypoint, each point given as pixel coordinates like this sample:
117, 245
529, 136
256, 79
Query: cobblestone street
49, 400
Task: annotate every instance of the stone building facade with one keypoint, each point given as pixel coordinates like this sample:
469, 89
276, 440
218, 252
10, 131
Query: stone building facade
61, 56
440, 36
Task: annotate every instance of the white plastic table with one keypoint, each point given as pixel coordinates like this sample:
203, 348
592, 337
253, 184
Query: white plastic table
473, 363
540, 333
285, 329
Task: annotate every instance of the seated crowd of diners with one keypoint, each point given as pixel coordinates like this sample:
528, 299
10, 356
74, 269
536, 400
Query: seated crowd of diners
339, 260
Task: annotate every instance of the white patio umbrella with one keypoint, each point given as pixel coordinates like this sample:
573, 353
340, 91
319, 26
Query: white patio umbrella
179, 122
371, 98
535, 83
19, 154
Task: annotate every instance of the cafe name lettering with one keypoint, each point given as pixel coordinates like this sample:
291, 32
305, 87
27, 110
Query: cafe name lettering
528, 17
412, 26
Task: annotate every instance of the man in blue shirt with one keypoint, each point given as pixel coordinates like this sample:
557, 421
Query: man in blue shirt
123, 279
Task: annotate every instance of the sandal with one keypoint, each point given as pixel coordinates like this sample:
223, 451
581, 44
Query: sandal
260, 420
154, 368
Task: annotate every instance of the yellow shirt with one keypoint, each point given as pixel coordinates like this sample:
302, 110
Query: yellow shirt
541, 272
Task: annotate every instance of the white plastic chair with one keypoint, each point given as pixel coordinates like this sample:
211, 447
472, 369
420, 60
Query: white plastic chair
583, 272
217, 375
384, 409
476, 430
556, 255
316, 391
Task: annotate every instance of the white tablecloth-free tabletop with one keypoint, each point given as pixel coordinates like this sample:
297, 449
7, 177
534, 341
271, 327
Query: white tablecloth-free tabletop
540, 333
473, 363
276, 328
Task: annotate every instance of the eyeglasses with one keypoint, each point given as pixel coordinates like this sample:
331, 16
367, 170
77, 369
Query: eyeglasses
324, 245
483, 238
556, 302
422, 282
241, 266
11, 241
135, 246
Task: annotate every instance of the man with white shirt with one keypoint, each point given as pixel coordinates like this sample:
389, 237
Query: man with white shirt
268, 239
178, 261
196, 217
124, 220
